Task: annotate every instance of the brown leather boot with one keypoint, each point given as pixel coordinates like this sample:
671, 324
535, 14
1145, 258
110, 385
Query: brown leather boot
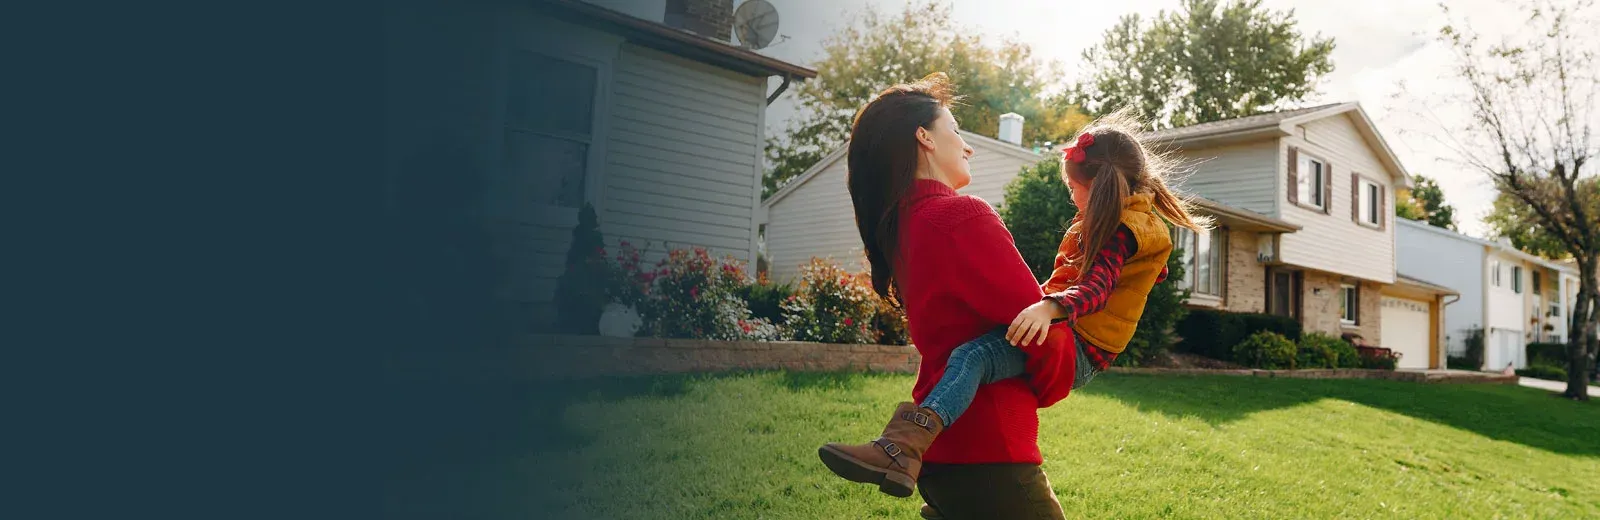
895, 459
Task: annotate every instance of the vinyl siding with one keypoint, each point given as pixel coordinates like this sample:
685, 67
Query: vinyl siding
1452, 262
1334, 242
816, 219
1506, 307
684, 156
1242, 176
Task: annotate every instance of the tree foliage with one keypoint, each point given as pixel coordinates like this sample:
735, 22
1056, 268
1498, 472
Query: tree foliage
1514, 219
1206, 61
1531, 101
1038, 207
1425, 203
880, 49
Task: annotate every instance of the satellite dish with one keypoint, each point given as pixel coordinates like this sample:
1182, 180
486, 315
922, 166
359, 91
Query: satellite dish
756, 23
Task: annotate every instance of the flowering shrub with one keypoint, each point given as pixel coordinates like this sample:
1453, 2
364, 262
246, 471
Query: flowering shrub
627, 283
692, 295
1378, 357
831, 306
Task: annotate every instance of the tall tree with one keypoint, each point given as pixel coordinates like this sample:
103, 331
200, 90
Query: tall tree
1426, 203
1530, 98
880, 50
1204, 62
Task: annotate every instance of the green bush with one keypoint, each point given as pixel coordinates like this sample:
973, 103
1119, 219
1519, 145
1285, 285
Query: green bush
1037, 209
766, 299
890, 323
1266, 350
1552, 354
1542, 371
1213, 333
1347, 355
1319, 350
831, 306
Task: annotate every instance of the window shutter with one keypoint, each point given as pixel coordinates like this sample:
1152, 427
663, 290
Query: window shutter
1355, 197
1327, 188
1294, 177
1383, 207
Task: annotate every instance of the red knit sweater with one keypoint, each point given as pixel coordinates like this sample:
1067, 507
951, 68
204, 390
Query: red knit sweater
960, 276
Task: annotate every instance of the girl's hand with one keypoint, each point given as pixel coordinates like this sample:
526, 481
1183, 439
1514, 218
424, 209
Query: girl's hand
1033, 323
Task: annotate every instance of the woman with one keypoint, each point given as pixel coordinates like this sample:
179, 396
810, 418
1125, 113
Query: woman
948, 259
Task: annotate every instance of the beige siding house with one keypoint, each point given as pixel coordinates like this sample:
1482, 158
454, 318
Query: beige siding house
563, 104
812, 215
1325, 172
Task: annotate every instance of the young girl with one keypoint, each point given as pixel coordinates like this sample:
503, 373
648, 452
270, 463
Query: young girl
1114, 251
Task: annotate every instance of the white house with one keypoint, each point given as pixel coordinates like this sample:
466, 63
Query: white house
1510, 294
812, 216
651, 116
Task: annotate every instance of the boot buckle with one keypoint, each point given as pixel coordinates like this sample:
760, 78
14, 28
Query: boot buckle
892, 449
919, 419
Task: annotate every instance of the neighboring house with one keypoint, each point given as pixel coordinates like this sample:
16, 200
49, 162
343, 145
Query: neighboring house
1300, 197
812, 215
554, 104
1323, 176
1508, 293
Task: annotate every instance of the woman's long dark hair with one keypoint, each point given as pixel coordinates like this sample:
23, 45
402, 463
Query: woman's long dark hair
883, 166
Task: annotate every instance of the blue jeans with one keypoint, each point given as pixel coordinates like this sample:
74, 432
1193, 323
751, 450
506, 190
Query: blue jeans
987, 359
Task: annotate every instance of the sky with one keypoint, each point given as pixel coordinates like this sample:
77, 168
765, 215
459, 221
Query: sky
1385, 57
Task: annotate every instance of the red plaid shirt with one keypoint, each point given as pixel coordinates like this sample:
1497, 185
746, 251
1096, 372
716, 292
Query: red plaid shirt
1090, 296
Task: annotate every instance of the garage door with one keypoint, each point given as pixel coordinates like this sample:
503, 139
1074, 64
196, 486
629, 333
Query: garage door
1405, 330
1505, 347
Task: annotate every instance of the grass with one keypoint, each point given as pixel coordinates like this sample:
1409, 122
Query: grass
1126, 446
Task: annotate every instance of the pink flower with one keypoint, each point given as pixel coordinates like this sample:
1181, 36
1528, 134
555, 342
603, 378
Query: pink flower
600, 251
848, 322
694, 292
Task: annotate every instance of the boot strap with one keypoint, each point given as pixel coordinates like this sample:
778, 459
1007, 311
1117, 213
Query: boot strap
920, 419
892, 450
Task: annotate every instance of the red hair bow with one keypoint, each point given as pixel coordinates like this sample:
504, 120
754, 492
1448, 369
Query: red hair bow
1075, 152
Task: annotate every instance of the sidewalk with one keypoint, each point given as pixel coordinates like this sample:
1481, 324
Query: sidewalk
1553, 386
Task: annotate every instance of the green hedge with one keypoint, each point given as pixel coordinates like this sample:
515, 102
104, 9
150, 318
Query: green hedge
1265, 349
1552, 373
1213, 333
1552, 354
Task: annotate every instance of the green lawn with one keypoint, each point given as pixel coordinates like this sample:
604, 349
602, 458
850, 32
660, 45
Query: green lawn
1127, 446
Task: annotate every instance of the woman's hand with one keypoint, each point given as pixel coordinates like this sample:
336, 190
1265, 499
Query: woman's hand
1033, 323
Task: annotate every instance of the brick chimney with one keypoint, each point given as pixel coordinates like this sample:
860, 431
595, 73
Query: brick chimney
709, 18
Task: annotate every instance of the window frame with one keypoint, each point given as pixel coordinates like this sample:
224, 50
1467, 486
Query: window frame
1368, 204
1350, 303
1494, 273
1317, 184
1516, 279
1216, 258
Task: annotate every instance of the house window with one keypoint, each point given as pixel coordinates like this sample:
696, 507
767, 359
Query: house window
1555, 309
1516, 279
1283, 293
1203, 260
1312, 178
1494, 273
1349, 304
1369, 204
1536, 282
548, 130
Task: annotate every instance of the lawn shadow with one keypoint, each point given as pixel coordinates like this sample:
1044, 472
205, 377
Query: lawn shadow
1521, 415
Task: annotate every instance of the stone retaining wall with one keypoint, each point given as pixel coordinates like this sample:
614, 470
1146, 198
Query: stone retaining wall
558, 357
